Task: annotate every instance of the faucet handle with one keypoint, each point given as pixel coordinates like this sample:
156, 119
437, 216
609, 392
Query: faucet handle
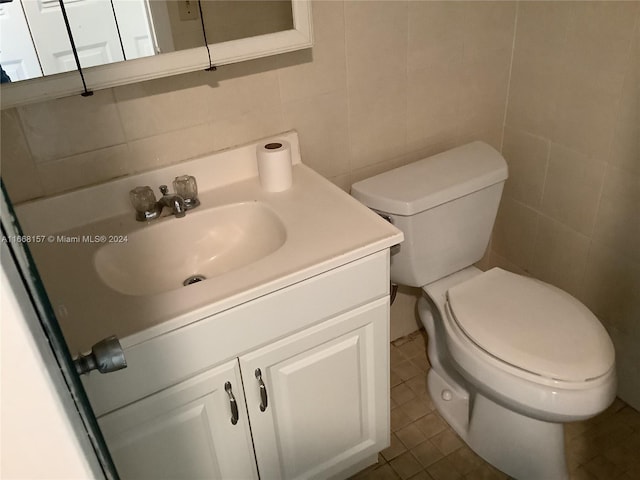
142, 198
144, 201
164, 189
187, 187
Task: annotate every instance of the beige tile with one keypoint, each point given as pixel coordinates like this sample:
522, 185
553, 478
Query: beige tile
625, 152
422, 475
533, 90
612, 287
447, 441
376, 43
231, 92
630, 102
485, 82
444, 469
598, 40
406, 370
405, 465
631, 417
486, 472
166, 104
542, 27
488, 26
514, 233
602, 469
377, 123
404, 318
18, 170
68, 126
431, 424
572, 188
342, 181
327, 70
416, 408
483, 97
474, 129
465, 460
383, 472
399, 419
322, 125
436, 34
560, 255
410, 436
426, 453
581, 473
585, 114
395, 449
579, 451
84, 169
401, 394
418, 384
617, 223
172, 147
496, 260
244, 127
394, 379
527, 157
416, 347
396, 355
433, 105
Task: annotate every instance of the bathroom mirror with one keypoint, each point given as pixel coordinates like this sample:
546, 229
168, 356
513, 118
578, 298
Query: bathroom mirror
127, 41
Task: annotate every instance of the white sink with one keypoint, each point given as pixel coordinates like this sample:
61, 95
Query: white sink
204, 244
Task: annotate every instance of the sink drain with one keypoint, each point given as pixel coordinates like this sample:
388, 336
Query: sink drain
193, 279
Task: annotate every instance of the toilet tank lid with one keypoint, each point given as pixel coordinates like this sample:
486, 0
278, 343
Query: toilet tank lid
432, 181
532, 325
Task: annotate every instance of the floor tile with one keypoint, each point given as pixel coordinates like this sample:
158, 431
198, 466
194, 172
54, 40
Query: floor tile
410, 436
426, 453
395, 449
405, 465
424, 447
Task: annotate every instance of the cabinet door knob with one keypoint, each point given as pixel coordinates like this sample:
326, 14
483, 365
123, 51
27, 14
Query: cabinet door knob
263, 391
232, 402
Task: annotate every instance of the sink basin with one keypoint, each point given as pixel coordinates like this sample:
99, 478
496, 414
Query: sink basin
180, 251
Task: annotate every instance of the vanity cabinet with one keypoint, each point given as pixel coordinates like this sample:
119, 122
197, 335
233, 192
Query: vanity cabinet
326, 396
313, 403
184, 432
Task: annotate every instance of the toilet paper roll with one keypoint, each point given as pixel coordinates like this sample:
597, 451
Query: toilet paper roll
274, 166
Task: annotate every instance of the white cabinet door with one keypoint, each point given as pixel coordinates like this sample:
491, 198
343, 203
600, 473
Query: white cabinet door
184, 432
94, 31
327, 392
17, 53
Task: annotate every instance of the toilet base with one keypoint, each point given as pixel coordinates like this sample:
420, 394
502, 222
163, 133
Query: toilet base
520, 446
451, 401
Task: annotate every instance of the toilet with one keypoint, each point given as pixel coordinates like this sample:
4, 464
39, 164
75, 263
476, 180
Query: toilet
512, 358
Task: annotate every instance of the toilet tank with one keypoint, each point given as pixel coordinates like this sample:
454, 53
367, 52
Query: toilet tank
445, 205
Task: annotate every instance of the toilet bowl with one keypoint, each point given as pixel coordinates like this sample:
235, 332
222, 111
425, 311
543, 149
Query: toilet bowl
512, 358
507, 413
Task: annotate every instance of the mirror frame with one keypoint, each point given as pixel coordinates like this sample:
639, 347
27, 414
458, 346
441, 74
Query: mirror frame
164, 65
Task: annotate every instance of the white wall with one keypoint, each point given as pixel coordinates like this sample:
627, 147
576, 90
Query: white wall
38, 435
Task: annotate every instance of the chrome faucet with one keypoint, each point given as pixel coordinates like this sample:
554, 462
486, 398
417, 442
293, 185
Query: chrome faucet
147, 208
172, 200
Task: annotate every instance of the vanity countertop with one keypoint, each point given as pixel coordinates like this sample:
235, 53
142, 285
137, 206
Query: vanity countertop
325, 228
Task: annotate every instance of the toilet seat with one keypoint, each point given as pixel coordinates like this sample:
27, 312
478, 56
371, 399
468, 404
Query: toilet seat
531, 326
518, 389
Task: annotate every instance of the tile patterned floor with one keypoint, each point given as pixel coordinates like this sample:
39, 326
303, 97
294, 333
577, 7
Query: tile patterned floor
424, 447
